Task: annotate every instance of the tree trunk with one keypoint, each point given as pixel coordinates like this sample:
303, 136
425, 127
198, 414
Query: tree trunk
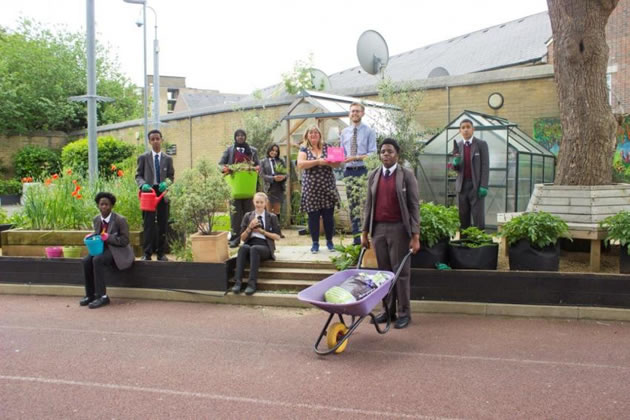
580, 61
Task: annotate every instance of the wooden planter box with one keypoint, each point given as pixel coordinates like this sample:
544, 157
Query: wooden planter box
210, 248
31, 243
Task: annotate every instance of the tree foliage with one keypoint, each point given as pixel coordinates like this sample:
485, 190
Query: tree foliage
110, 151
41, 68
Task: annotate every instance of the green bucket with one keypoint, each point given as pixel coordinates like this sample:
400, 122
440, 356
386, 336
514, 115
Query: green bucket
243, 184
72, 251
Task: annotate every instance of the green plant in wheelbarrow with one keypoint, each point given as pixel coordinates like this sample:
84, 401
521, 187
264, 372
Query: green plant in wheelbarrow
476, 250
533, 241
438, 224
618, 227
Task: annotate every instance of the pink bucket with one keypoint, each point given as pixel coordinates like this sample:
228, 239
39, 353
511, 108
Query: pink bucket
54, 252
335, 154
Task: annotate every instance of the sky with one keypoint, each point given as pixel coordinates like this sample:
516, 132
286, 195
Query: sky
239, 46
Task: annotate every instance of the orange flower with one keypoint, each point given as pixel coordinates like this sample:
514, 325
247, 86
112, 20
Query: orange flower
24, 179
120, 172
79, 196
74, 181
29, 179
69, 171
55, 176
113, 167
48, 181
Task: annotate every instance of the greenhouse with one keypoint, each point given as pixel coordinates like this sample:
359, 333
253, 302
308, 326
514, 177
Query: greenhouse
517, 163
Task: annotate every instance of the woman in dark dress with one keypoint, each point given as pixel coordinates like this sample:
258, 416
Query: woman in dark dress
319, 187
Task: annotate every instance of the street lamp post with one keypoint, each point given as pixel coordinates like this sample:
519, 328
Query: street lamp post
144, 46
156, 74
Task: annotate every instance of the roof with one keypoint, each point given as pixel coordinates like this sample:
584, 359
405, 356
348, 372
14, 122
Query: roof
203, 100
508, 44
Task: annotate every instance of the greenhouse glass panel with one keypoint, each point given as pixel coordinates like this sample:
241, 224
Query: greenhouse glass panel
497, 178
537, 169
533, 144
432, 173
497, 147
495, 203
549, 166
523, 181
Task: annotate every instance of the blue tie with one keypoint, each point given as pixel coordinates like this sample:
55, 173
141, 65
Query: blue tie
157, 169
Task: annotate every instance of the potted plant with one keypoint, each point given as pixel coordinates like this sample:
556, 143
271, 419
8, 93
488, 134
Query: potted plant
10, 191
197, 198
618, 227
476, 250
438, 224
533, 241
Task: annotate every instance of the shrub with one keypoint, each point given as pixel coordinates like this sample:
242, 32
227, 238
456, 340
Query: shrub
618, 227
110, 151
4, 217
197, 196
539, 228
437, 223
36, 161
10, 187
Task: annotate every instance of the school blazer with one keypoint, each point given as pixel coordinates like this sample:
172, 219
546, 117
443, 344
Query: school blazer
480, 164
408, 199
118, 240
271, 223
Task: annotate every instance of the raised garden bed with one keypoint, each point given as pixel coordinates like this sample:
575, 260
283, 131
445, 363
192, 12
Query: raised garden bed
143, 274
31, 243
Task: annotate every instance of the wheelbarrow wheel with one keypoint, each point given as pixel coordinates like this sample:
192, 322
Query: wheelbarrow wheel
335, 334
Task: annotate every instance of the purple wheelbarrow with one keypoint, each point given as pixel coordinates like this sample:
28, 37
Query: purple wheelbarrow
338, 333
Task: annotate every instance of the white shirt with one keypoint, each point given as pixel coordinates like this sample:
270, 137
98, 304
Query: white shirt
256, 234
468, 142
391, 169
153, 154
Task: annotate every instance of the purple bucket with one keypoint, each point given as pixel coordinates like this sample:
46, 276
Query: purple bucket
315, 294
54, 252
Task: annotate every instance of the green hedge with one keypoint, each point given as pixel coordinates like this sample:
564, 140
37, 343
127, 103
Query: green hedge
110, 151
10, 187
36, 162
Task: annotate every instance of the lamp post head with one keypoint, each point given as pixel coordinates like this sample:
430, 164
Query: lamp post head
139, 22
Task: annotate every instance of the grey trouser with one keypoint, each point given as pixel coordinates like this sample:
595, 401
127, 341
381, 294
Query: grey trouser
391, 244
469, 205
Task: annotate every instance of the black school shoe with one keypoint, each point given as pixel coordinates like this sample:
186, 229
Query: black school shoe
402, 322
86, 300
382, 319
97, 303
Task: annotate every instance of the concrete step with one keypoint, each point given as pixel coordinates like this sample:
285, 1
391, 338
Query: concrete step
291, 286
279, 273
299, 264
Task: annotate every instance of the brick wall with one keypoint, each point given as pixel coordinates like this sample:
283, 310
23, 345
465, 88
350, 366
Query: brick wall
618, 37
9, 145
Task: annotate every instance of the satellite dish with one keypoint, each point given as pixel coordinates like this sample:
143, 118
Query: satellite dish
320, 80
372, 52
438, 72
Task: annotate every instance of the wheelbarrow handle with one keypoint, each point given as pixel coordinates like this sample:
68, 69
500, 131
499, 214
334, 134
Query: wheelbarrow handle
400, 269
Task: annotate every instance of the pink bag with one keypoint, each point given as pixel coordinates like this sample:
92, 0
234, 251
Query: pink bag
335, 154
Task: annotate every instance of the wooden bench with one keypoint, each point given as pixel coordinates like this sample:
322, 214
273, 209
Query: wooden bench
589, 231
